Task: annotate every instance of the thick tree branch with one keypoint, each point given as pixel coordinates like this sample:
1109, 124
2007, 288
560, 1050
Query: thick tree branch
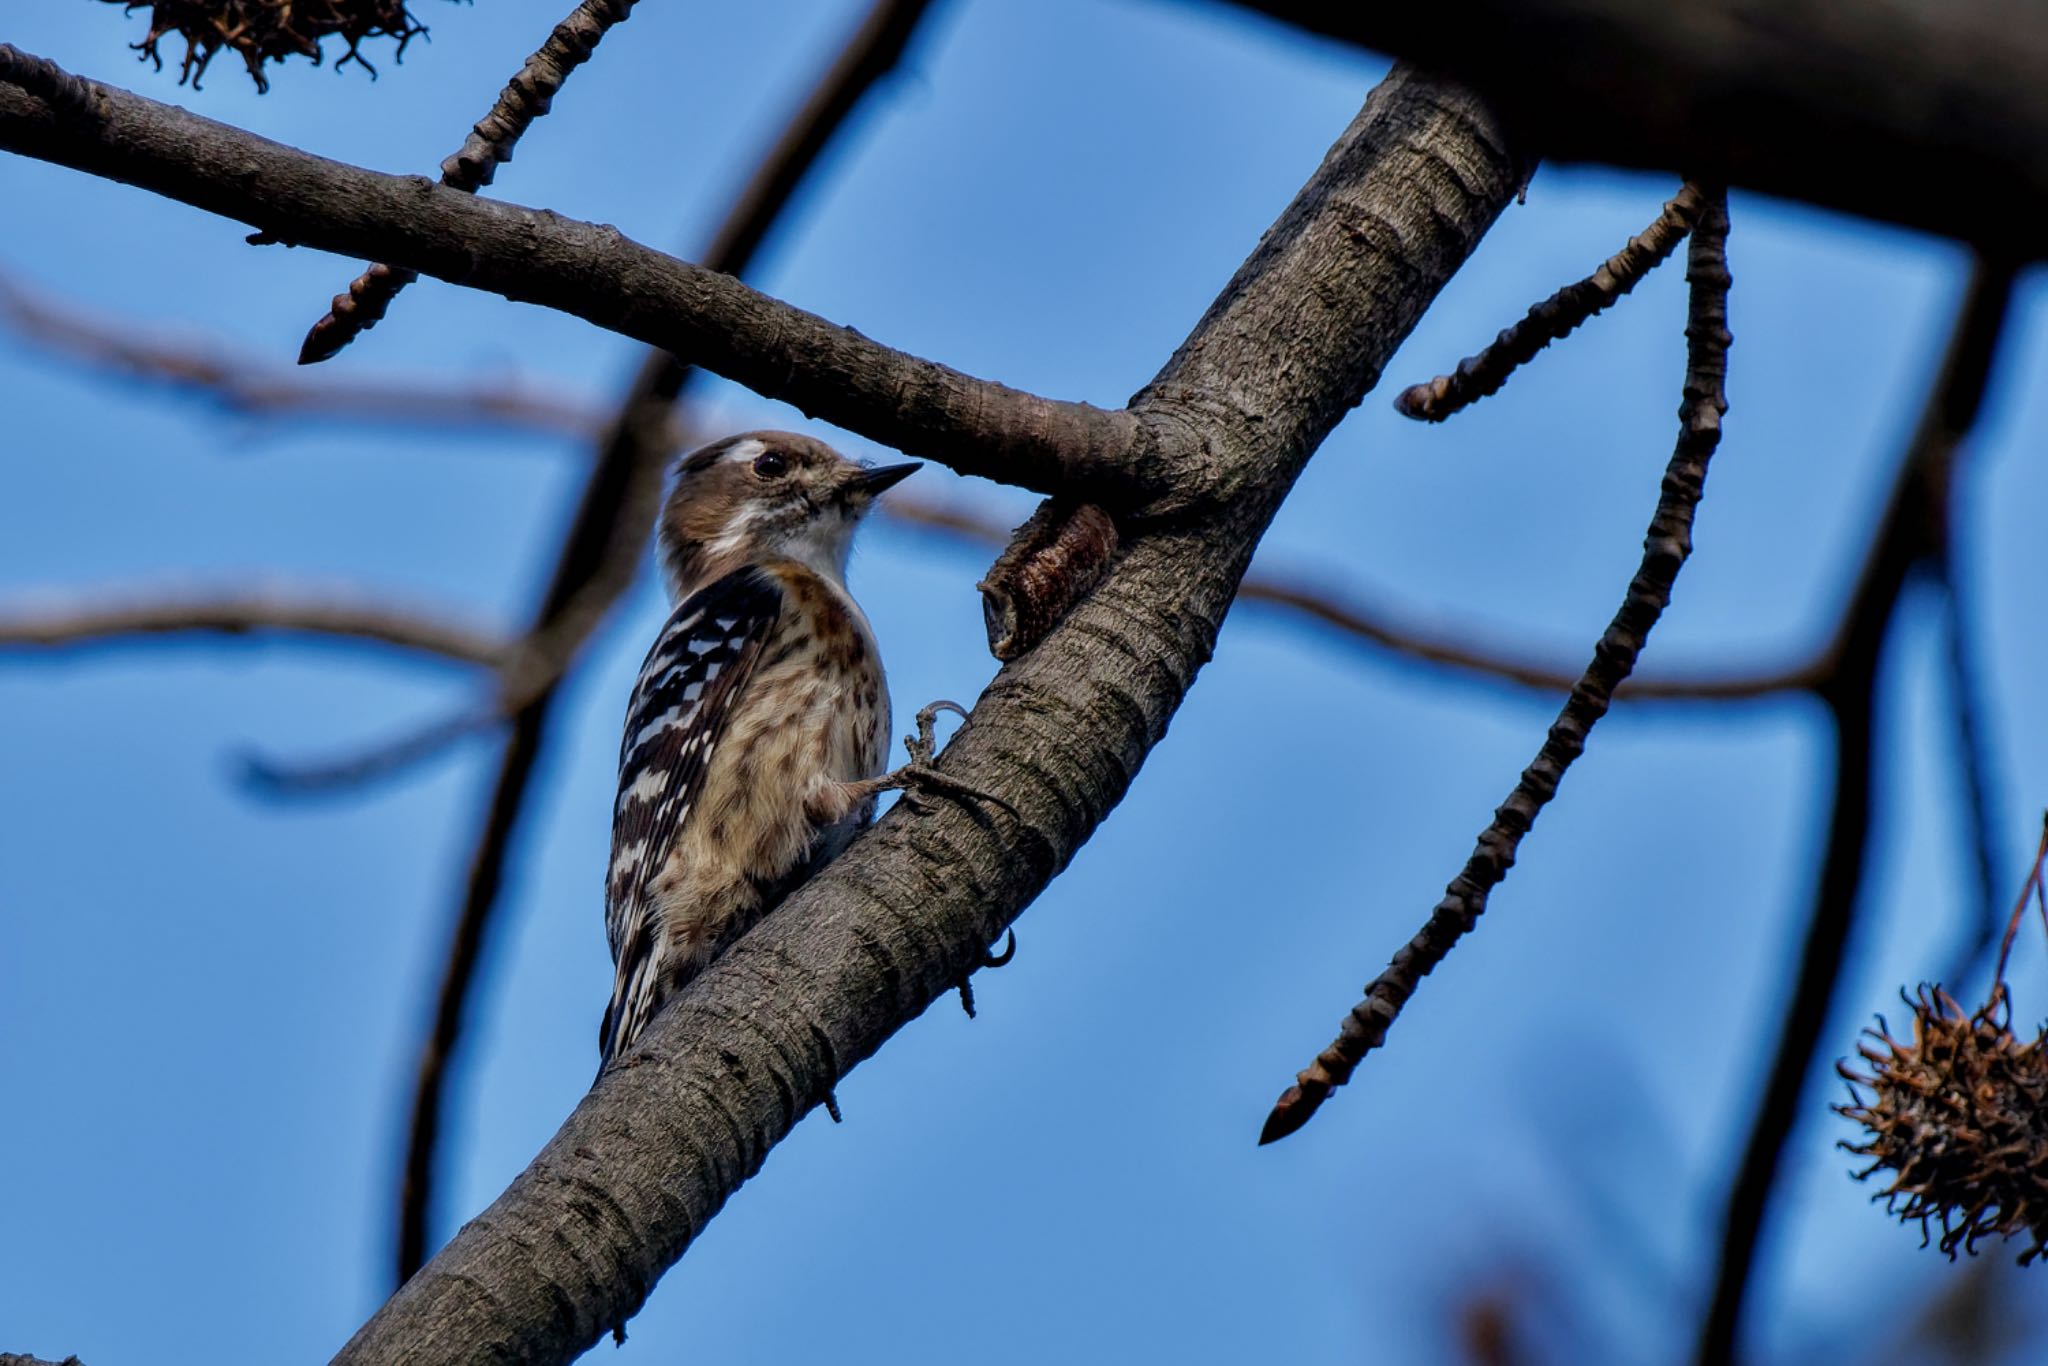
594, 272
573, 1247
1666, 547
1930, 113
1908, 539
111, 617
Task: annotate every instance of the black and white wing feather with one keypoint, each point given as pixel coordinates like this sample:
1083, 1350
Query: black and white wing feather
685, 692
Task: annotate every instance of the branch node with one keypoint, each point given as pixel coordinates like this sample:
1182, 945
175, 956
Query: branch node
1055, 559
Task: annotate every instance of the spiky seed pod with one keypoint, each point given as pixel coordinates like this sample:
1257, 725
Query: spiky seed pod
1959, 1117
270, 30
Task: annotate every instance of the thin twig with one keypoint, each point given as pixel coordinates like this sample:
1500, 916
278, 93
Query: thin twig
112, 617
526, 97
1973, 764
1665, 549
244, 385
1556, 317
528, 669
631, 460
1907, 538
2035, 888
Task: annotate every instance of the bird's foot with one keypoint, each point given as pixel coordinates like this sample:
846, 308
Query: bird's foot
920, 780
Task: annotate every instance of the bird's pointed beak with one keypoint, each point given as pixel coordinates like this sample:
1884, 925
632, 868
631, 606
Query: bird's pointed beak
868, 483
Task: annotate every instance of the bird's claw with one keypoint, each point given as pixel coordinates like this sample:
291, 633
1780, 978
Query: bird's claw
919, 780
988, 960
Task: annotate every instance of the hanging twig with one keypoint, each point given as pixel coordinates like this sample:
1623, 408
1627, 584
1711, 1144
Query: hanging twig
1665, 549
1556, 317
526, 97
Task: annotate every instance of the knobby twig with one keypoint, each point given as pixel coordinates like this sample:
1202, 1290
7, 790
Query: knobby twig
109, 617
526, 97
1556, 317
1665, 549
597, 561
1907, 541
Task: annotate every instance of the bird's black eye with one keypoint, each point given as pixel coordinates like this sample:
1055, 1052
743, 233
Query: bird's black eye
771, 465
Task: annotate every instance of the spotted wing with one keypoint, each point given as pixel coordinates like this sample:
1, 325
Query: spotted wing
686, 690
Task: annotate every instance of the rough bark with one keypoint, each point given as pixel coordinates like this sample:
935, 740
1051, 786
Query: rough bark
1930, 113
576, 1243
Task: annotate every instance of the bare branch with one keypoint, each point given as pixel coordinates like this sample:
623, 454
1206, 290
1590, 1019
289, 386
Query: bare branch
572, 1248
114, 616
596, 564
526, 97
1930, 113
593, 272
1665, 549
242, 384
1556, 317
1907, 537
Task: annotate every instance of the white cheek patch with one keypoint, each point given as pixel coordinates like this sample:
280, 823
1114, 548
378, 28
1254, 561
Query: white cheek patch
738, 530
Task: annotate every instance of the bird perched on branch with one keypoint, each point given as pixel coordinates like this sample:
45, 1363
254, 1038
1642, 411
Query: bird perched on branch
756, 733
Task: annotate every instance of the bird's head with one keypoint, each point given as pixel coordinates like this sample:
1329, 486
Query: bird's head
761, 496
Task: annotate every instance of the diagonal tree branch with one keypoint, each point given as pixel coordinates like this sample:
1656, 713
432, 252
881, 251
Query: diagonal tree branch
107, 618
598, 560
1907, 539
573, 1247
1666, 547
697, 313
1929, 113
526, 97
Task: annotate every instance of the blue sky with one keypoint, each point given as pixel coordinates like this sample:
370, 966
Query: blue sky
209, 1004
